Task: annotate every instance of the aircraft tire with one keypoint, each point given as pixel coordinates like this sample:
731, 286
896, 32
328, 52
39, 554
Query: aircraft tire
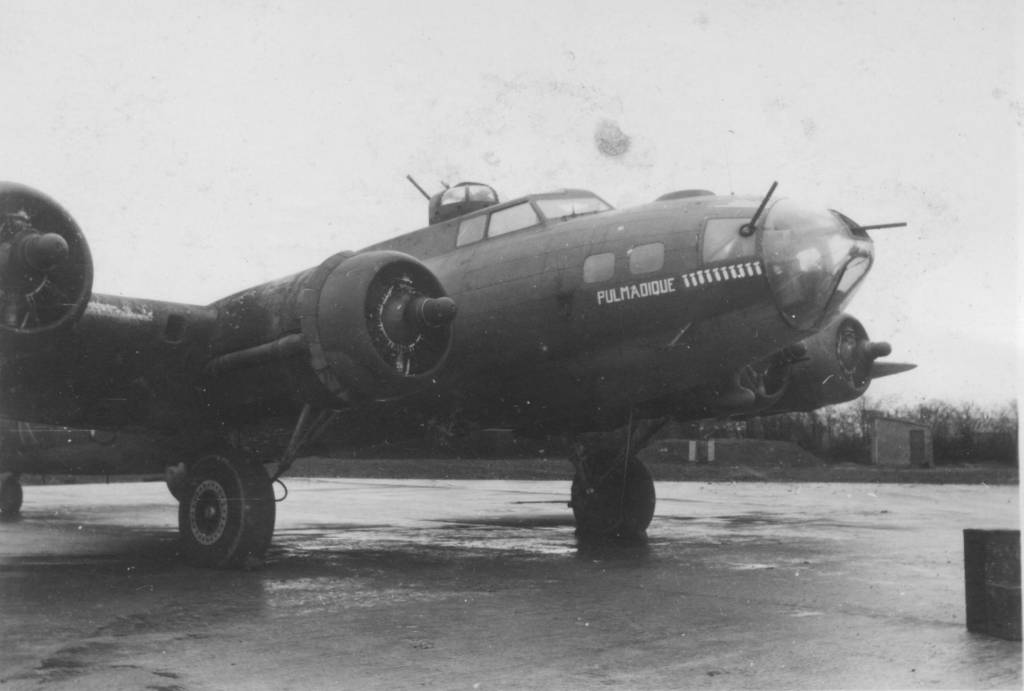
226, 518
11, 497
619, 507
176, 477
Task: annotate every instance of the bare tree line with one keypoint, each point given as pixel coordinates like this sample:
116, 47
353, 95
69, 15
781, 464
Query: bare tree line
961, 432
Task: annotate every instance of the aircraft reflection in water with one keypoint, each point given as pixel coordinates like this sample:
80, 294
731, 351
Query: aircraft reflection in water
550, 314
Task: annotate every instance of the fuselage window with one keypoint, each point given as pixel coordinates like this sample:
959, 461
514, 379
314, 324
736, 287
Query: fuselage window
598, 267
511, 219
723, 242
471, 230
643, 259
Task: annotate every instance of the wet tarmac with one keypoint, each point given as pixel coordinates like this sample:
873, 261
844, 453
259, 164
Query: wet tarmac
482, 585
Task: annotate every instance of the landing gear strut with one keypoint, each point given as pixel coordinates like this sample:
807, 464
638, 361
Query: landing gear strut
10, 496
226, 515
226, 506
613, 491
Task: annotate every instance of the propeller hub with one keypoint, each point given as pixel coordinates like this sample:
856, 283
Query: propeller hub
405, 315
44, 252
877, 349
435, 312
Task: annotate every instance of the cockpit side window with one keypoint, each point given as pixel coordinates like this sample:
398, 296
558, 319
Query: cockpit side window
471, 230
511, 219
723, 242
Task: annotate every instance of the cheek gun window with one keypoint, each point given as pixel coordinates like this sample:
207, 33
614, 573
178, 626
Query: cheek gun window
723, 242
511, 219
598, 267
471, 230
643, 259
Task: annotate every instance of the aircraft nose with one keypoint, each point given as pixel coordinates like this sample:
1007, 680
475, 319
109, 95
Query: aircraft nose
815, 260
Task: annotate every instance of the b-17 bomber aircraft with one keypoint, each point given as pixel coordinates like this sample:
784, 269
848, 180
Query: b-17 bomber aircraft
548, 314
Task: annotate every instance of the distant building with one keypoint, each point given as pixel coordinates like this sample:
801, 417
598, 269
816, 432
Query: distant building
898, 442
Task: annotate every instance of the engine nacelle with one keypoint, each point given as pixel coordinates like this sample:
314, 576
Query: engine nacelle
377, 325
758, 386
837, 367
359, 327
45, 267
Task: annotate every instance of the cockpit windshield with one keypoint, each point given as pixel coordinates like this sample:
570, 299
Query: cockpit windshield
563, 208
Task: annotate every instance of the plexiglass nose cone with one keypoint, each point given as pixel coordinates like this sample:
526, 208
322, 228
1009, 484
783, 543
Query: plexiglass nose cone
814, 262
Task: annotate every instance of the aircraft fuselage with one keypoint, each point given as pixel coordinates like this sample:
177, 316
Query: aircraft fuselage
576, 321
551, 313
569, 322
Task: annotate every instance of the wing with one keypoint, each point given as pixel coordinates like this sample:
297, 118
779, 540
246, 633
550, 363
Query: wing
359, 327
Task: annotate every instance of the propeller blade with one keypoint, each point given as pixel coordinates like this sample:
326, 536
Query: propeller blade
887, 369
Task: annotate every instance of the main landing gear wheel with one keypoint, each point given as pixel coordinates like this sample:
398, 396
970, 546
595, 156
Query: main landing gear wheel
226, 515
176, 477
10, 497
619, 504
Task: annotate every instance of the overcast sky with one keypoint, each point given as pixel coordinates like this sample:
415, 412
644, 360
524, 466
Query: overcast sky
208, 146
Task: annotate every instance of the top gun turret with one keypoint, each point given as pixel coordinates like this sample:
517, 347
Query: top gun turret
457, 200
460, 199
